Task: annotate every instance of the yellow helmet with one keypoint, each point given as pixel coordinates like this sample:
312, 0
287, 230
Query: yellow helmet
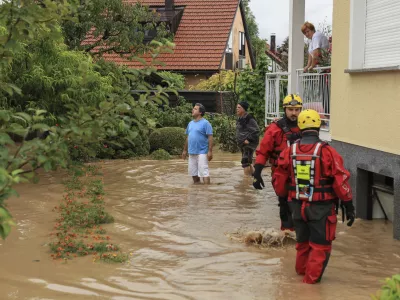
309, 118
292, 100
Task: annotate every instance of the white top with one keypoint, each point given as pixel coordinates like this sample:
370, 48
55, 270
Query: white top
319, 40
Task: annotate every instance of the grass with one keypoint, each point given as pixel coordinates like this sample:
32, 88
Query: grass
78, 230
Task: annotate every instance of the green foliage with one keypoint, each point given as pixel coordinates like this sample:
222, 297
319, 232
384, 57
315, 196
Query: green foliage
120, 30
83, 214
23, 23
167, 116
160, 154
174, 80
115, 148
18, 162
65, 81
5, 222
223, 81
224, 132
390, 290
45, 88
251, 88
50, 77
88, 151
171, 139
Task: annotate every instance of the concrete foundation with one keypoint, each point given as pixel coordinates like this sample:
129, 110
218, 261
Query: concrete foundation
372, 169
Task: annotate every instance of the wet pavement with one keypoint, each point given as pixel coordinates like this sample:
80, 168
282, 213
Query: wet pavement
176, 233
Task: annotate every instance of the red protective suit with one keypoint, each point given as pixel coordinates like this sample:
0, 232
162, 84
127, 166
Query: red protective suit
331, 167
275, 140
313, 214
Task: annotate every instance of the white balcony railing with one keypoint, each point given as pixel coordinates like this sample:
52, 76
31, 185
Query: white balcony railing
314, 88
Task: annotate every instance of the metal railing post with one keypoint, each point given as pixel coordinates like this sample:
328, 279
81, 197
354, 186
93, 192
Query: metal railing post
314, 89
277, 94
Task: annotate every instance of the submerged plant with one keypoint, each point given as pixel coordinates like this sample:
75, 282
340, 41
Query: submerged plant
81, 214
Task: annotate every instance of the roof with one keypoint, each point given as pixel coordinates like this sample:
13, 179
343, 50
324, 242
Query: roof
201, 38
274, 55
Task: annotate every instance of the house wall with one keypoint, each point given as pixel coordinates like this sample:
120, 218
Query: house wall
193, 79
237, 27
367, 102
364, 120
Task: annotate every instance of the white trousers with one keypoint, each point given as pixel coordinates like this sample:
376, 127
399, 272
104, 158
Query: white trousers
198, 165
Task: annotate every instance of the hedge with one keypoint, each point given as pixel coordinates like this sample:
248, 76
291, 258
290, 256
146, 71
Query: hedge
171, 139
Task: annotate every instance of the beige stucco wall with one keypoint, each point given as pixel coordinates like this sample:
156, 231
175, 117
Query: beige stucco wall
365, 107
193, 79
237, 27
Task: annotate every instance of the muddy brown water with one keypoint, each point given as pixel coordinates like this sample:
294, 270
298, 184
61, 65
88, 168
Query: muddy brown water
176, 233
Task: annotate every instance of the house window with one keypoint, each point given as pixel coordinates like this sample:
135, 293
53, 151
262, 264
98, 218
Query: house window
374, 38
242, 44
230, 44
149, 35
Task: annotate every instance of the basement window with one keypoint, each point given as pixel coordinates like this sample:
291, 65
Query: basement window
382, 196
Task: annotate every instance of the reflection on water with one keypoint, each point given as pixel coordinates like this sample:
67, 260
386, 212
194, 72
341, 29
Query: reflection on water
176, 233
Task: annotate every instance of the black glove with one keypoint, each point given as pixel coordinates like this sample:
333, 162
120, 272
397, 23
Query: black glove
350, 214
258, 181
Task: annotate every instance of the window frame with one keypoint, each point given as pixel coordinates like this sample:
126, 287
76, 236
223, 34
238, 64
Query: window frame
242, 44
357, 40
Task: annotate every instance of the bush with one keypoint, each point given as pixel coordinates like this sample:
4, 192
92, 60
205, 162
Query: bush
160, 154
224, 129
166, 116
171, 139
223, 81
174, 80
390, 290
251, 88
112, 148
178, 116
88, 152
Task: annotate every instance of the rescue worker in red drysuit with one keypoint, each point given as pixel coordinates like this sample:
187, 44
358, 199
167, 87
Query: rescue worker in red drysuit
278, 136
311, 174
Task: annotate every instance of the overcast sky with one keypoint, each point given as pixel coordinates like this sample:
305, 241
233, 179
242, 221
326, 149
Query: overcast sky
272, 16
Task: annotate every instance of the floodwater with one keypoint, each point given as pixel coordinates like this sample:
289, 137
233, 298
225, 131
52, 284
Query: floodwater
176, 233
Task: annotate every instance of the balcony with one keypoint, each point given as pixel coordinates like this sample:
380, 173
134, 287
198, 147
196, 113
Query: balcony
314, 88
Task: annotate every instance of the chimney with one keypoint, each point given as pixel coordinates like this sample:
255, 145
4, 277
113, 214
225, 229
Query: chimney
272, 46
169, 4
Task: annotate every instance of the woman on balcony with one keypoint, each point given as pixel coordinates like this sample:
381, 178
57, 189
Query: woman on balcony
319, 43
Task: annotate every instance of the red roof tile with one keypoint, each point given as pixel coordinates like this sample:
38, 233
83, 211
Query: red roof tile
201, 37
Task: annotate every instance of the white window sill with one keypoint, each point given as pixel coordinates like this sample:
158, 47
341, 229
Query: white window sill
379, 69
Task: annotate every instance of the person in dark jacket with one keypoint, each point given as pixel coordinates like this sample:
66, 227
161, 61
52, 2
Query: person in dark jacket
247, 136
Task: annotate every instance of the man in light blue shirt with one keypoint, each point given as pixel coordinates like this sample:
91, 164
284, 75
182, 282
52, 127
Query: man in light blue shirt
198, 145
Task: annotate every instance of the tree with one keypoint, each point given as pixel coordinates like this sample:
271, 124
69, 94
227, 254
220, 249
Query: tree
251, 88
110, 26
86, 103
21, 22
283, 53
257, 43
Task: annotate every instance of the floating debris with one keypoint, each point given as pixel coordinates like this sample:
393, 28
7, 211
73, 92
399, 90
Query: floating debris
264, 237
